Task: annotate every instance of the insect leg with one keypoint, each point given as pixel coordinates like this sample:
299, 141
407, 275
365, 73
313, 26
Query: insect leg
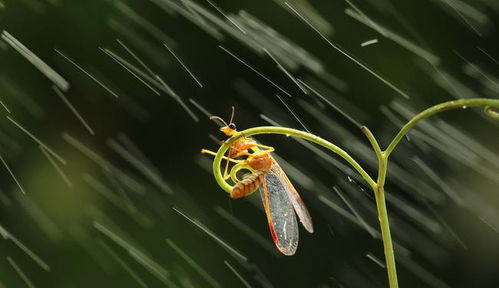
205, 151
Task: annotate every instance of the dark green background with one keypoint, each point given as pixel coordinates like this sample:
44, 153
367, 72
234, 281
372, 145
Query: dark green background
334, 256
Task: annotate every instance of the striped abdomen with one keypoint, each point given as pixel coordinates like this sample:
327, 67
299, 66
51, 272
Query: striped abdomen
247, 185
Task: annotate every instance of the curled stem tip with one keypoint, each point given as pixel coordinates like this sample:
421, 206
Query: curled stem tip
492, 112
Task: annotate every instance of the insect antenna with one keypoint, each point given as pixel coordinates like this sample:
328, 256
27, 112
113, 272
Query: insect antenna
232, 114
219, 119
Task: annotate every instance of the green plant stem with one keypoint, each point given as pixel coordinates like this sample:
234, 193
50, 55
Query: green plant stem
488, 104
373, 141
379, 195
491, 107
287, 132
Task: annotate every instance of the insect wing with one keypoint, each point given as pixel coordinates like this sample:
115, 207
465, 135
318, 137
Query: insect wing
280, 214
294, 197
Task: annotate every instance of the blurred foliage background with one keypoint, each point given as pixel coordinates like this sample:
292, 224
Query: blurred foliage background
115, 220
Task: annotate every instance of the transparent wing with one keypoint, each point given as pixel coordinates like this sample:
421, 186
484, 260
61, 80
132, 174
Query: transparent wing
294, 197
280, 214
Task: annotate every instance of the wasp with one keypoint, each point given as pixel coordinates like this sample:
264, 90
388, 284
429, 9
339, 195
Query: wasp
280, 199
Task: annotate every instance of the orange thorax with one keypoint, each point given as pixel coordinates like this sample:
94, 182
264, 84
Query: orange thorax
260, 161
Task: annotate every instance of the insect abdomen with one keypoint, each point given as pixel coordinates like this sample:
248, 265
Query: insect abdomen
247, 185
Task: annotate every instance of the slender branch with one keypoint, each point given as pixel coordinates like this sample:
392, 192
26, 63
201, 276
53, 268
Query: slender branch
373, 141
489, 105
287, 132
379, 154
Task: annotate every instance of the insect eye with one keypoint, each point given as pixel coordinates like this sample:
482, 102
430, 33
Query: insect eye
232, 126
